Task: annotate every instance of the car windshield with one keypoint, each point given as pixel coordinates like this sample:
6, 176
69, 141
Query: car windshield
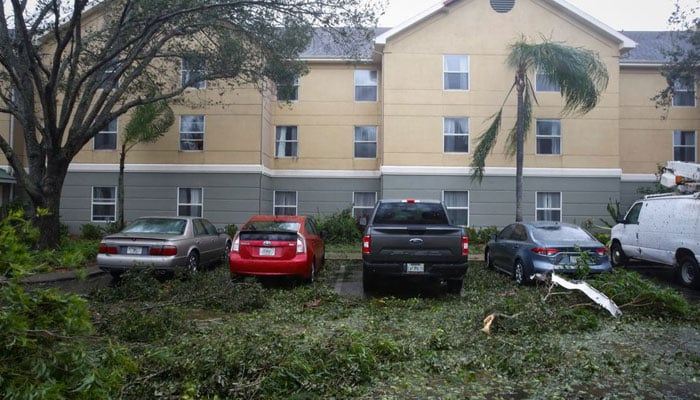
276, 226
157, 225
559, 233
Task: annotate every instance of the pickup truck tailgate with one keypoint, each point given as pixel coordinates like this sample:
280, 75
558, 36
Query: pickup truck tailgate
432, 243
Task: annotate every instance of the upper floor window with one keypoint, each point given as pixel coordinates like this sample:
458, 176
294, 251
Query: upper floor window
684, 92
684, 146
109, 79
190, 202
286, 141
285, 203
365, 85
549, 136
543, 83
455, 135
365, 141
106, 139
457, 204
456, 72
104, 204
548, 206
288, 92
191, 73
192, 132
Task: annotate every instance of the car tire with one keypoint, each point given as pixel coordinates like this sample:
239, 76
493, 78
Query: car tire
454, 286
368, 280
521, 275
617, 256
227, 253
689, 272
312, 275
487, 259
193, 262
116, 275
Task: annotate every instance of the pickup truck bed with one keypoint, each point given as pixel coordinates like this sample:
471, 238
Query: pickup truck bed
414, 238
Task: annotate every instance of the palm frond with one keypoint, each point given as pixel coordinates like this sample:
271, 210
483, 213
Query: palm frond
486, 143
148, 123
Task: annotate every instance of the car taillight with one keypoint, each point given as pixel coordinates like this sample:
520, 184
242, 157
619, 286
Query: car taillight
545, 251
366, 242
465, 245
236, 246
601, 251
105, 249
163, 251
301, 245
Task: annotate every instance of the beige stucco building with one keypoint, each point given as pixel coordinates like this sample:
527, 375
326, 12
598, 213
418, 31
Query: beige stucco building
403, 121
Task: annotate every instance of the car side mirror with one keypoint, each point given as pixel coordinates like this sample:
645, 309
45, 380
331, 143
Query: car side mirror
220, 230
492, 236
620, 219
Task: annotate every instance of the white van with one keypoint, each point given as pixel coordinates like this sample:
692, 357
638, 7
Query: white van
663, 229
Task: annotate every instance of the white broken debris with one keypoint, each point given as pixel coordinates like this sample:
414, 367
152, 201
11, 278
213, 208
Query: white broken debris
594, 294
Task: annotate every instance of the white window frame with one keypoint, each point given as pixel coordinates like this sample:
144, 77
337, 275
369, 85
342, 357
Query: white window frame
360, 82
552, 87
110, 132
103, 202
295, 93
680, 88
684, 146
275, 206
446, 71
362, 211
357, 142
551, 138
182, 140
281, 142
200, 204
559, 209
444, 192
446, 134
107, 75
186, 73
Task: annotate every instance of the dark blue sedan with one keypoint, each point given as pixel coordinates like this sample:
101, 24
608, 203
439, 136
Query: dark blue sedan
524, 249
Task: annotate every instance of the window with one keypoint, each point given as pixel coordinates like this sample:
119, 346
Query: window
104, 204
684, 93
365, 85
548, 206
192, 132
189, 202
544, 84
456, 135
362, 205
106, 139
288, 92
456, 72
286, 141
285, 203
684, 146
109, 80
366, 142
457, 203
191, 74
549, 136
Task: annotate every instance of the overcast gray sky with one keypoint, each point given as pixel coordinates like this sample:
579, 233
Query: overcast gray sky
619, 14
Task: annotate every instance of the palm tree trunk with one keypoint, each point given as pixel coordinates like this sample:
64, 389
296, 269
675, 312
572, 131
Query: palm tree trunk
120, 190
520, 139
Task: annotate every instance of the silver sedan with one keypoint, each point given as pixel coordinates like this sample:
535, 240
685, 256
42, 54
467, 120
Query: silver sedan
164, 244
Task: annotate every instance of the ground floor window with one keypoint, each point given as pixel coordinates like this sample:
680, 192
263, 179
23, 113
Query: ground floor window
104, 203
285, 203
457, 203
190, 202
548, 206
362, 205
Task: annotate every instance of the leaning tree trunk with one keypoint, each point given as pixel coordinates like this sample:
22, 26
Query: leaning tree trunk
520, 139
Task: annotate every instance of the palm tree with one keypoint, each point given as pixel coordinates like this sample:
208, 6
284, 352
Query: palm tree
581, 77
149, 122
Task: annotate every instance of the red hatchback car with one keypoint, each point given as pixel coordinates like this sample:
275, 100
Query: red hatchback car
277, 245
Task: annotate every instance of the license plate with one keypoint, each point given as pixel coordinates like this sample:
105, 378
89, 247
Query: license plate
414, 267
133, 250
267, 251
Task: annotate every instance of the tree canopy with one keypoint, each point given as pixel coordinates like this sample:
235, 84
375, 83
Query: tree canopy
69, 68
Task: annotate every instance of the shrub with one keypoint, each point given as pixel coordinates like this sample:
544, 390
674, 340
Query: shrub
16, 238
480, 235
340, 227
91, 232
231, 229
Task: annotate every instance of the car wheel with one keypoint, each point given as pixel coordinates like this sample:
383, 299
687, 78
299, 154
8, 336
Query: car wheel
368, 280
520, 273
116, 275
312, 276
193, 262
227, 253
454, 286
689, 272
487, 259
617, 256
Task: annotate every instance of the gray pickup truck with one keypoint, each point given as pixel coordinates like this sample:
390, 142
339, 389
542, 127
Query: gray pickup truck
414, 238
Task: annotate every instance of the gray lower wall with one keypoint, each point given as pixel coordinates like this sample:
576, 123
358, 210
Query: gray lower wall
231, 198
